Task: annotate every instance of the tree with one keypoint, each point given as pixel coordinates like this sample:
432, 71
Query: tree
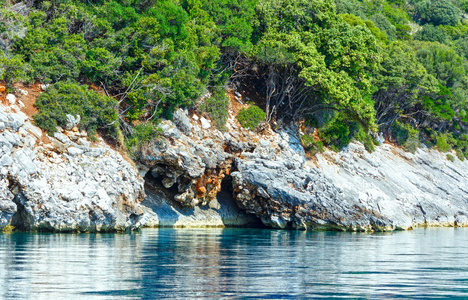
400, 82
385, 25
308, 68
431, 33
441, 12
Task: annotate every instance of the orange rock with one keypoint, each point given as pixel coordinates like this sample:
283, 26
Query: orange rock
201, 191
2, 88
75, 129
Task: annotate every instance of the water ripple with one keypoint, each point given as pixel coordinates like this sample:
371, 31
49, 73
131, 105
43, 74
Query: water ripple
235, 264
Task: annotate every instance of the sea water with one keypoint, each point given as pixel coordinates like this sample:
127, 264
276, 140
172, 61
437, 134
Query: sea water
235, 263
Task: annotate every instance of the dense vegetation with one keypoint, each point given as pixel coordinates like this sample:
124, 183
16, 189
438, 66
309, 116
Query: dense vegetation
350, 68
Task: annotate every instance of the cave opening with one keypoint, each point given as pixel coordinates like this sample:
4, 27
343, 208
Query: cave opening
171, 212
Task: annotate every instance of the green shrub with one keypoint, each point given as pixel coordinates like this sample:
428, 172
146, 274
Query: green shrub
431, 33
310, 145
251, 117
366, 139
406, 136
460, 154
13, 69
450, 157
442, 143
337, 133
217, 107
384, 25
141, 135
96, 111
442, 12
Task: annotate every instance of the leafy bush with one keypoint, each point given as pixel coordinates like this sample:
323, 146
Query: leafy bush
311, 145
406, 136
442, 12
13, 69
96, 111
431, 34
385, 25
217, 107
460, 154
354, 7
336, 134
251, 117
450, 157
141, 135
366, 139
442, 143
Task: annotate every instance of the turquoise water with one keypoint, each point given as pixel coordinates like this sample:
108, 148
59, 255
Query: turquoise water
235, 263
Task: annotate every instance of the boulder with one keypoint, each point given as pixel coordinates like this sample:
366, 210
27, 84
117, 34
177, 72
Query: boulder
11, 99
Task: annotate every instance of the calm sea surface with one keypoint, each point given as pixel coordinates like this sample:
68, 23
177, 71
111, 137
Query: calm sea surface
235, 263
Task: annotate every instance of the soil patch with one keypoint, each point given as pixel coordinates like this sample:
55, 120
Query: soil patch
27, 97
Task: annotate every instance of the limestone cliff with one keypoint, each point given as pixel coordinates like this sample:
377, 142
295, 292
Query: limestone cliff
195, 175
63, 183
270, 177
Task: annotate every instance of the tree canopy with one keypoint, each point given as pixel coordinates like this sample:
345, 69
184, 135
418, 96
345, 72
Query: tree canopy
343, 64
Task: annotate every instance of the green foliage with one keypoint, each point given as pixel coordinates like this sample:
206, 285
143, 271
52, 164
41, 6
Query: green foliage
352, 66
251, 117
450, 157
141, 135
356, 21
13, 69
351, 7
464, 5
385, 25
442, 143
311, 145
441, 12
406, 136
365, 139
217, 108
97, 112
460, 154
431, 33
336, 134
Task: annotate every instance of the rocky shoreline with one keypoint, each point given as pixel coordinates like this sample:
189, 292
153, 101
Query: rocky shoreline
197, 176
63, 183
270, 177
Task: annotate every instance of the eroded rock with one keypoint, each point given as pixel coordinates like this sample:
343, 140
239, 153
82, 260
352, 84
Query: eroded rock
55, 188
272, 179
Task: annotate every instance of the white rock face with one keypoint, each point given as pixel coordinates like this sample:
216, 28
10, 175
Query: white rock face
272, 179
67, 185
11, 99
72, 121
205, 123
407, 189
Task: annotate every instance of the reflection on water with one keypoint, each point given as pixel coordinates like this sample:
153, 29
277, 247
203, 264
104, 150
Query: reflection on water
241, 263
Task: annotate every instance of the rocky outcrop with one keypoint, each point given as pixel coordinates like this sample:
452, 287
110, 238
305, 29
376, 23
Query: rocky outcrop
190, 159
198, 176
184, 172
63, 183
271, 178
162, 212
355, 190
